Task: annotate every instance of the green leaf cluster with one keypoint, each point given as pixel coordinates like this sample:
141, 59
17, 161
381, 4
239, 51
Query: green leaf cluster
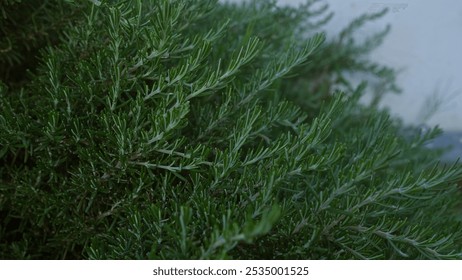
201, 130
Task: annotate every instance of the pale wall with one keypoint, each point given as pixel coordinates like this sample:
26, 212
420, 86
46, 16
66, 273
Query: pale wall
426, 43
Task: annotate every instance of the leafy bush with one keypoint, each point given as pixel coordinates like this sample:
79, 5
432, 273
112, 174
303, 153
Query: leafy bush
198, 130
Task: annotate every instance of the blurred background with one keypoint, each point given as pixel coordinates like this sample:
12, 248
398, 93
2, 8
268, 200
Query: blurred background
425, 45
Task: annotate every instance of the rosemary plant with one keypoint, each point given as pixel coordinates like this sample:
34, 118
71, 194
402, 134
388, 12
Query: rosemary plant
176, 129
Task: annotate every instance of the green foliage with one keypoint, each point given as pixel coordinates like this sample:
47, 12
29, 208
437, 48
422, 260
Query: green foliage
25, 27
198, 130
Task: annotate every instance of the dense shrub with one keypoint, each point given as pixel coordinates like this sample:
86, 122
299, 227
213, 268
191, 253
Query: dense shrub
193, 129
